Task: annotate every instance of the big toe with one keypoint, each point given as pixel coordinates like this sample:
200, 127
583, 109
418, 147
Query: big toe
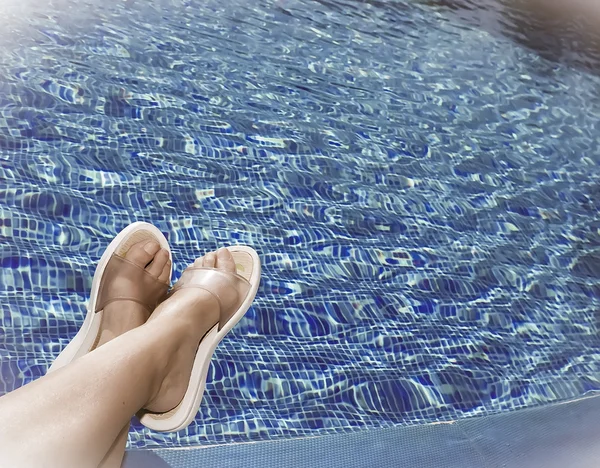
225, 260
158, 264
209, 260
142, 253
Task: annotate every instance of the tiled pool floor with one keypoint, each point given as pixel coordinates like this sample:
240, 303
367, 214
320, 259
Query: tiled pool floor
424, 197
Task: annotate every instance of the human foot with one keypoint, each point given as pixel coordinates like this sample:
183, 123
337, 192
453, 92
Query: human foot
121, 316
189, 313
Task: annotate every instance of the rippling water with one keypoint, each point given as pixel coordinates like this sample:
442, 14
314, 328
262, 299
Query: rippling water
424, 197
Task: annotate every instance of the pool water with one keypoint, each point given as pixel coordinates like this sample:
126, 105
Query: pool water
424, 197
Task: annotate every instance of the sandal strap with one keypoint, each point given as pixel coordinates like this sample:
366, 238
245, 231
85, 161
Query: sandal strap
212, 280
123, 280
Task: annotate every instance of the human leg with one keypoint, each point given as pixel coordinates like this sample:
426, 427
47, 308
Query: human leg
75, 414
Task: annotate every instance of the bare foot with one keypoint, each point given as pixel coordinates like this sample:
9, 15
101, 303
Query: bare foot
121, 316
190, 313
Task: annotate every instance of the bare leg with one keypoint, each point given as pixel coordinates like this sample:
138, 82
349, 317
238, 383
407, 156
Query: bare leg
121, 317
75, 415
114, 457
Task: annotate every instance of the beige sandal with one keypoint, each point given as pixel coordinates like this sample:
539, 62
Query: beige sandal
107, 287
232, 308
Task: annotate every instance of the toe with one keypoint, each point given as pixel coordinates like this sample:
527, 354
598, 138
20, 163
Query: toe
165, 276
209, 260
158, 264
225, 260
199, 262
142, 253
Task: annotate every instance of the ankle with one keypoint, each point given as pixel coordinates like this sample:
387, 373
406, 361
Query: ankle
182, 309
167, 339
178, 325
178, 346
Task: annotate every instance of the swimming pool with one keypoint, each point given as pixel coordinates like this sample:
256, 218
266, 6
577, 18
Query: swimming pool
424, 197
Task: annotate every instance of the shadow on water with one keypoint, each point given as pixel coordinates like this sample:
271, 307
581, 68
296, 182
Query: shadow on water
563, 34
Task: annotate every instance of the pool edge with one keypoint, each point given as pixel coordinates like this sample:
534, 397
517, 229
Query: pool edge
556, 435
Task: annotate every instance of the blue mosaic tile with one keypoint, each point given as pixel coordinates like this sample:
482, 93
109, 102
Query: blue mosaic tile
424, 197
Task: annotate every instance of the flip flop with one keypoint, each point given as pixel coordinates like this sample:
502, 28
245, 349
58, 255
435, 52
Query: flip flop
232, 308
105, 289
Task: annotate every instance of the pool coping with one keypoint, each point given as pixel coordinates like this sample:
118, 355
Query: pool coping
556, 435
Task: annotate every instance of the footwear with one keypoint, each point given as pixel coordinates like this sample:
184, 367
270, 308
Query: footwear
232, 308
107, 288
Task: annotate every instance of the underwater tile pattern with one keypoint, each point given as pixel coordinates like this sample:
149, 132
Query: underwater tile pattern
424, 198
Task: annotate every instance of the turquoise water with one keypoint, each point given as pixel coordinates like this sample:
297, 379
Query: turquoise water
424, 197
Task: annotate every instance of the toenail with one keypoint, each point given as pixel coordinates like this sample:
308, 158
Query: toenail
151, 247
